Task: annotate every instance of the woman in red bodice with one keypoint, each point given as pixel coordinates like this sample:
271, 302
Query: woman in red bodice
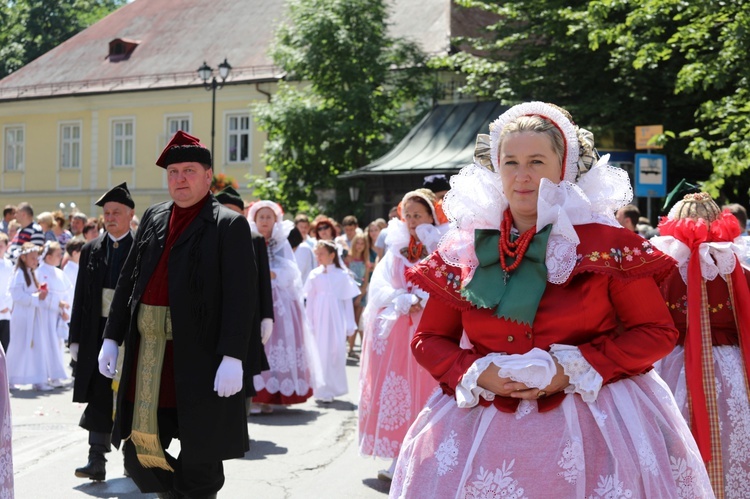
550, 393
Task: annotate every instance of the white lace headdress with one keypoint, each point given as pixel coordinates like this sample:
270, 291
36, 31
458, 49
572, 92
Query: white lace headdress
477, 201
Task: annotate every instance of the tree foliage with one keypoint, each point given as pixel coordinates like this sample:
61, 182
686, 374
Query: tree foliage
29, 28
350, 92
616, 64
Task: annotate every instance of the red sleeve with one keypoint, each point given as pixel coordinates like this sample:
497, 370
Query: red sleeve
436, 345
646, 335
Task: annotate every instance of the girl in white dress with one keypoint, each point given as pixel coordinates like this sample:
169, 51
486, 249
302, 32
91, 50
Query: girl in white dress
55, 316
329, 290
27, 349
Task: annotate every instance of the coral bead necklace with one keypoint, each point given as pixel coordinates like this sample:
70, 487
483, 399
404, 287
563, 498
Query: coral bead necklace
415, 249
512, 249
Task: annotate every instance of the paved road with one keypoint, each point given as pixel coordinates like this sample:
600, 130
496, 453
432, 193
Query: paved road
303, 451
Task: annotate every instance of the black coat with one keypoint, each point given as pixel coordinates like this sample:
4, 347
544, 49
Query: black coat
211, 299
86, 323
264, 302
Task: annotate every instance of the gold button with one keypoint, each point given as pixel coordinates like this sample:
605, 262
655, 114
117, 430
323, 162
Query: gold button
510, 338
528, 335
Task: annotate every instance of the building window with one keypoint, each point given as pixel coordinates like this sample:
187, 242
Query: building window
176, 123
123, 142
238, 138
70, 146
14, 149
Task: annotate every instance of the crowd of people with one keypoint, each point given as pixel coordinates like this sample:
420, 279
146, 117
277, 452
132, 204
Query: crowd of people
523, 331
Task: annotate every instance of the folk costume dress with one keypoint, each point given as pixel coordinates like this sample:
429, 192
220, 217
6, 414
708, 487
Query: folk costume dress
6, 433
290, 377
586, 292
329, 291
709, 366
393, 387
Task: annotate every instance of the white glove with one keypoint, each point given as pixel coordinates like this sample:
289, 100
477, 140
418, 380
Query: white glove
73, 351
228, 377
266, 328
402, 303
108, 358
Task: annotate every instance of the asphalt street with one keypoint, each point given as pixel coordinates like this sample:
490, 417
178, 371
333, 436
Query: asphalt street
302, 451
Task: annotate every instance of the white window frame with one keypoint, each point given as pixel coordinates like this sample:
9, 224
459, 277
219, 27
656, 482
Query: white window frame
181, 117
72, 143
17, 148
125, 139
236, 135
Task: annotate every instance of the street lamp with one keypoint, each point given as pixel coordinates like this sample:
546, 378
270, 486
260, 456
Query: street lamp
205, 73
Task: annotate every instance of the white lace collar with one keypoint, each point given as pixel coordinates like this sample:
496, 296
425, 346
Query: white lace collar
476, 201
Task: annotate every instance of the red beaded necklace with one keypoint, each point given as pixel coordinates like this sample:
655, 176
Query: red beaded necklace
513, 249
415, 249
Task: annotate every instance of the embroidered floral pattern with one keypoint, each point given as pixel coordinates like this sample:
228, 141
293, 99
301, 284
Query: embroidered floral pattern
572, 461
736, 455
610, 487
381, 447
447, 454
618, 255
681, 306
683, 476
395, 402
378, 344
495, 484
646, 456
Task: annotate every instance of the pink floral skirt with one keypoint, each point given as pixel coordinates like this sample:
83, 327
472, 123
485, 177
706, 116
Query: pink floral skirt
630, 442
733, 408
393, 389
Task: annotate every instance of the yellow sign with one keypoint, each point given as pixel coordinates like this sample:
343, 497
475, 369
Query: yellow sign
644, 133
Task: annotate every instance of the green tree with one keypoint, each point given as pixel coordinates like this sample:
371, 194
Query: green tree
708, 44
350, 92
32, 27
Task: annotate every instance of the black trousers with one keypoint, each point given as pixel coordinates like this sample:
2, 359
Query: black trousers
5, 334
192, 476
97, 416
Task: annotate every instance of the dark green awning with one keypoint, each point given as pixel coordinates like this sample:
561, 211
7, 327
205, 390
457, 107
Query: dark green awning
442, 142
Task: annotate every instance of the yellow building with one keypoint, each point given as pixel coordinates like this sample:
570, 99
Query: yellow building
98, 109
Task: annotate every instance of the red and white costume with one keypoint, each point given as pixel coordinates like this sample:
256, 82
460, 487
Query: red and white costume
615, 431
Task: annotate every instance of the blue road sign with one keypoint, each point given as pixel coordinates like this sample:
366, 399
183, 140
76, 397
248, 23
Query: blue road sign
650, 175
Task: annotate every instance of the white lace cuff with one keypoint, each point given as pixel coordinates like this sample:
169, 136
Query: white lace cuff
584, 379
467, 392
535, 369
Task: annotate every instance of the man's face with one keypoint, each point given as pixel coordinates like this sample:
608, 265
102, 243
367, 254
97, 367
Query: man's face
76, 226
188, 182
117, 218
10, 216
23, 218
350, 231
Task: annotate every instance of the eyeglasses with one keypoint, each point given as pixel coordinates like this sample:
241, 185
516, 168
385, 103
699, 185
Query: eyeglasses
323, 227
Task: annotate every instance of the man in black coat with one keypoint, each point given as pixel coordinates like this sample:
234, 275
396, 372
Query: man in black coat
263, 324
184, 308
99, 267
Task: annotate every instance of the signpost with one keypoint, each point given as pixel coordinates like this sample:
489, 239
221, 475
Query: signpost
645, 133
650, 177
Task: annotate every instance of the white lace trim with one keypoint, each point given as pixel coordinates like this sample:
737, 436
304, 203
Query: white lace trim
535, 369
584, 379
476, 201
717, 259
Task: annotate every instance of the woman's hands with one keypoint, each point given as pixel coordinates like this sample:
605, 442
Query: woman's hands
506, 387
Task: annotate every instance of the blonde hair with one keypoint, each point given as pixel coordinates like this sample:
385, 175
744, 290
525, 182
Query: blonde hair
46, 218
536, 124
365, 253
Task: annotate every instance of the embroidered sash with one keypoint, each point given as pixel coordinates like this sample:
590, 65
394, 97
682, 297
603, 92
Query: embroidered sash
155, 327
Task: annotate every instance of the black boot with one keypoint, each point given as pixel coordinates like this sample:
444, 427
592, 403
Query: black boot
95, 468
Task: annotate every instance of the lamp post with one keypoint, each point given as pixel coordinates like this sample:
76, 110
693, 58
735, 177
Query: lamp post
205, 72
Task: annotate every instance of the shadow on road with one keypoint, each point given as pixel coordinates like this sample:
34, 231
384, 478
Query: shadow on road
284, 416
122, 488
259, 449
375, 484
